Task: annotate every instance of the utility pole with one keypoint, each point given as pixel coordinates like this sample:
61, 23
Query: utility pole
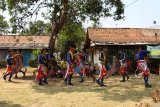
154, 22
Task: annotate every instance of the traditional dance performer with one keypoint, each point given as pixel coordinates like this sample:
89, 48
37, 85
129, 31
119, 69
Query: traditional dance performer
42, 70
123, 66
80, 64
10, 67
19, 63
70, 64
102, 69
142, 66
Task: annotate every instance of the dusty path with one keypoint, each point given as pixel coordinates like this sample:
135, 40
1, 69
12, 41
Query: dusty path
23, 92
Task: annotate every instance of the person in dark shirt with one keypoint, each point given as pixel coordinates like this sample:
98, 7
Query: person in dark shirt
70, 64
42, 70
10, 67
142, 66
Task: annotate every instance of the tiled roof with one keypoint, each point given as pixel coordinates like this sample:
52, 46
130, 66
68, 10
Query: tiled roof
23, 42
124, 35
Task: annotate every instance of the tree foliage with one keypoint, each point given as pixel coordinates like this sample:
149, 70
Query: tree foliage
3, 25
59, 12
71, 32
38, 28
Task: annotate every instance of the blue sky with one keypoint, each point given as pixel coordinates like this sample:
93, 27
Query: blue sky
141, 14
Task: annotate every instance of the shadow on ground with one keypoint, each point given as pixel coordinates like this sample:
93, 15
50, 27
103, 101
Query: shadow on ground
9, 104
131, 90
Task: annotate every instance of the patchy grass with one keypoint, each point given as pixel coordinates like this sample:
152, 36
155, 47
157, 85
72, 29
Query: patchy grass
24, 92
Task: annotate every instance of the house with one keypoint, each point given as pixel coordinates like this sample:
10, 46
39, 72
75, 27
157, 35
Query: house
26, 43
112, 40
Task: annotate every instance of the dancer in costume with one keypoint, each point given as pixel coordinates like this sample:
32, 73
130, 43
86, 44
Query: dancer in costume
123, 66
102, 69
10, 67
142, 66
85, 64
80, 64
19, 63
42, 70
50, 65
70, 64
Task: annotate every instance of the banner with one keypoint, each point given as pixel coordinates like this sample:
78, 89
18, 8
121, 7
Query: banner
154, 51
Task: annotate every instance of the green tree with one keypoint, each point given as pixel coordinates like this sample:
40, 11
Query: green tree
3, 25
59, 12
71, 32
38, 28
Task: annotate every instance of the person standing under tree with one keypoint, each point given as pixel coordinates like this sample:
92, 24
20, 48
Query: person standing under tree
42, 70
70, 64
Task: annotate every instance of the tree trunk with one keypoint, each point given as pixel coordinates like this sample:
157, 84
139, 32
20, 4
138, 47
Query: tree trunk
53, 39
57, 24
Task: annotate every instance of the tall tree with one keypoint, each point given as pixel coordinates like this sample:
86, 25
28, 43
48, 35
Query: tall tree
60, 12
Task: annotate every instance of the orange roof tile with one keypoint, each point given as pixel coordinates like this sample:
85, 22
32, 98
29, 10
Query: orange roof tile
25, 42
124, 35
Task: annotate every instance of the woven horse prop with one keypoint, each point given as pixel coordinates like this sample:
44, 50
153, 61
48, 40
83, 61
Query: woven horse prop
86, 71
142, 68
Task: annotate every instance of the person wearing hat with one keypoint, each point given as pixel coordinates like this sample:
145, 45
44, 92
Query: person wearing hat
10, 67
70, 64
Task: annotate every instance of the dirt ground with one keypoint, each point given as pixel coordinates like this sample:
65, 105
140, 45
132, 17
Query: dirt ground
24, 92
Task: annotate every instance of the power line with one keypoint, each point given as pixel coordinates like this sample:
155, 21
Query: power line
131, 3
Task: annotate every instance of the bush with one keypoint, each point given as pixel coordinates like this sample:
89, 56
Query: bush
33, 63
3, 63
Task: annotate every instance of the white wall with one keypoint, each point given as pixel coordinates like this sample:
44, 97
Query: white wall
96, 57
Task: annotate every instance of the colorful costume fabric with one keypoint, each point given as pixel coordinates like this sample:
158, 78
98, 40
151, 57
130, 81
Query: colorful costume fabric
142, 66
69, 61
69, 71
103, 71
42, 70
123, 69
9, 64
10, 67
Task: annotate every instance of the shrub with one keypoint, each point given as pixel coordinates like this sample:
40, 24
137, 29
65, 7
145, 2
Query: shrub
33, 63
3, 63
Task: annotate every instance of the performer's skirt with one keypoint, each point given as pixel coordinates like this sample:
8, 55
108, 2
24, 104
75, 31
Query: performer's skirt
42, 71
123, 69
9, 69
142, 66
69, 70
103, 71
